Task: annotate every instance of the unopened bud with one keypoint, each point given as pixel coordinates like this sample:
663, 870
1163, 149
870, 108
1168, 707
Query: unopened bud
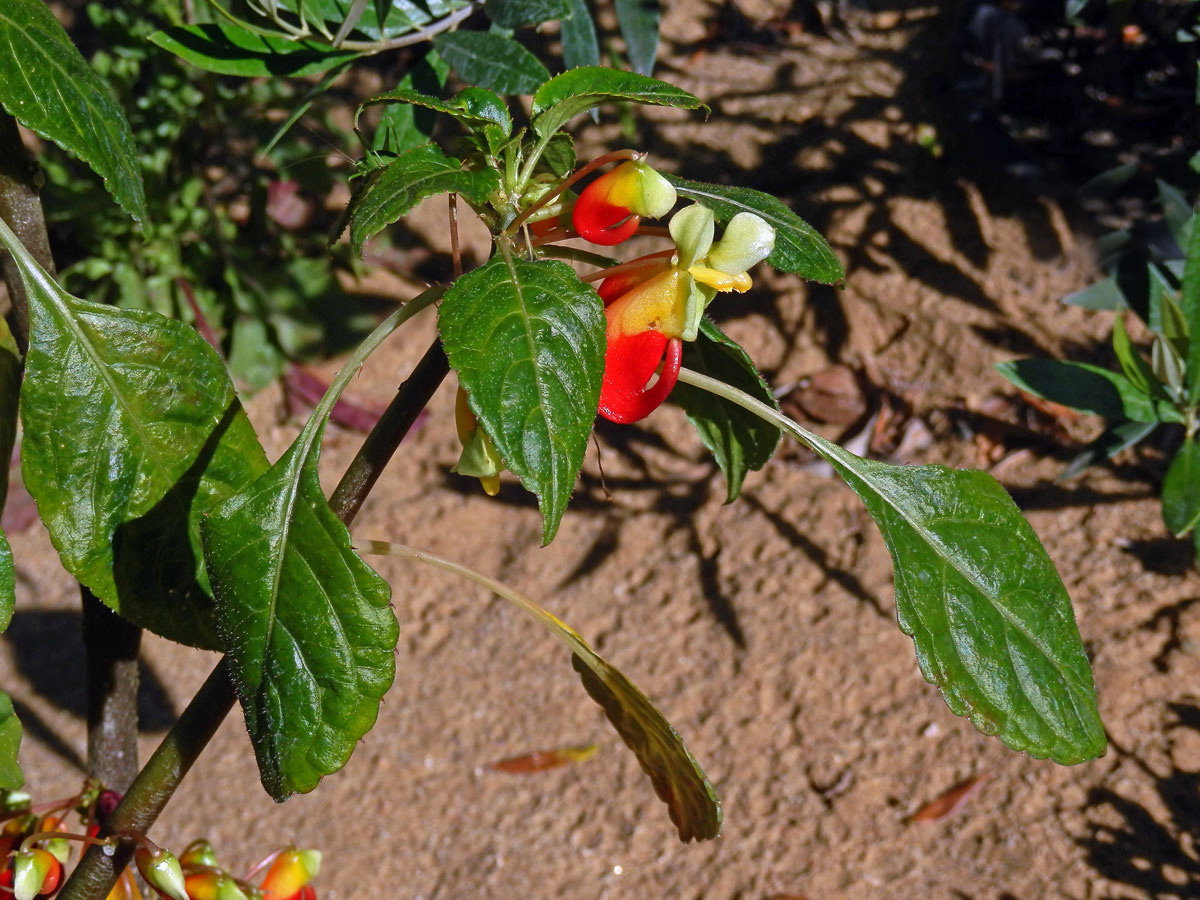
35, 872
199, 853
162, 871
291, 871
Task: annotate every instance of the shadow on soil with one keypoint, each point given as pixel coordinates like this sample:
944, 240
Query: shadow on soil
47, 647
1150, 851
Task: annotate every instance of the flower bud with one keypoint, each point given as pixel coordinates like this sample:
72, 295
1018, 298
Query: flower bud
199, 853
162, 871
35, 872
609, 209
292, 870
209, 885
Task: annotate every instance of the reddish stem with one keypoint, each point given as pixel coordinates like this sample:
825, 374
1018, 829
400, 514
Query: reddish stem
642, 262
574, 177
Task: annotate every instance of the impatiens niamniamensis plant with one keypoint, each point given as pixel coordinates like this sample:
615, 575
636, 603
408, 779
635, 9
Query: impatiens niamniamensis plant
190, 531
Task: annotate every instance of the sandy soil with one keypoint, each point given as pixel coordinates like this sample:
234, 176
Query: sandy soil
765, 630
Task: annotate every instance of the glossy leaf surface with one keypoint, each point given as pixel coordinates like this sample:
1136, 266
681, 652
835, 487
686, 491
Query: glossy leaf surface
132, 429
491, 61
673, 771
227, 49
739, 440
403, 126
309, 633
990, 618
518, 13
576, 91
799, 249
411, 177
46, 85
527, 340
1181, 490
471, 105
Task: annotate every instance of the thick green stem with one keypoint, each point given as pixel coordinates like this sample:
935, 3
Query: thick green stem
111, 645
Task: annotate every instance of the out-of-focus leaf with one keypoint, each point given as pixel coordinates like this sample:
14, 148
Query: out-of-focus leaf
10, 742
308, 631
950, 802
544, 760
46, 85
1087, 388
673, 771
1103, 295
411, 177
577, 90
527, 341
990, 618
227, 49
639, 20
491, 61
1177, 212
580, 47
1181, 489
1189, 304
156, 437
1115, 439
739, 440
799, 249
518, 13
1136, 369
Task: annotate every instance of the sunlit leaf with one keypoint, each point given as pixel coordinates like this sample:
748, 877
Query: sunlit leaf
527, 340
306, 624
10, 743
1181, 489
46, 85
799, 249
975, 589
8, 583
132, 429
676, 776
576, 91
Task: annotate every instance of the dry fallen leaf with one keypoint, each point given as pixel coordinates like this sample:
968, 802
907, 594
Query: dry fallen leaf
950, 802
543, 760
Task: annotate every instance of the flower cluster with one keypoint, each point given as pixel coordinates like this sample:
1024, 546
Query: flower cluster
35, 848
652, 304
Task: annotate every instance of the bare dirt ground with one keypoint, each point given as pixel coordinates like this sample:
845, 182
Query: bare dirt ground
765, 630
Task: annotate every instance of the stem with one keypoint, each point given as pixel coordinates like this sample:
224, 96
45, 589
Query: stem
97, 873
392, 427
64, 835
111, 645
566, 183
21, 207
649, 261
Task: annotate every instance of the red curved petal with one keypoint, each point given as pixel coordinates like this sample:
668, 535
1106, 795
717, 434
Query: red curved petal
630, 362
600, 221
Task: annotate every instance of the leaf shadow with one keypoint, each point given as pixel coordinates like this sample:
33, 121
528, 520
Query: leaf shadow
47, 648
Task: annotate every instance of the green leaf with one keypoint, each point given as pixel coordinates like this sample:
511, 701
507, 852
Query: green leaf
491, 61
10, 388
580, 47
1103, 295
8, 583
739, 440
1086, 388
306, 623
400, 185
527, 340
46, 85
227, 49
10, 742
798, 247
1136, 369
975, 589
403, 125
132, 430
576, 91
472, 105
1177, 212
677, 778
1181, 490
400, 16
1189, 302
1119, 437
517, 13
638, 20
559, 155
